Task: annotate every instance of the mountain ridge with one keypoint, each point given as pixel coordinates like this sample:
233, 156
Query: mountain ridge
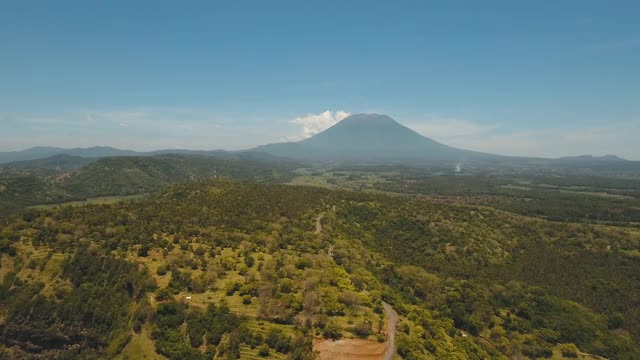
21, 158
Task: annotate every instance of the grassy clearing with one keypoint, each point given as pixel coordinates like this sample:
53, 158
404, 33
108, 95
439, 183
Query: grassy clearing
598, 194
36, 265
263, 326
96, 200
348, 322
321, 181
557, 355
152, 262
140, 347
515, 187
586, 190
217, 297
352, 180
246, 352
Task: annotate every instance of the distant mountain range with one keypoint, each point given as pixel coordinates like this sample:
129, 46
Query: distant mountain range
360, 138
69, 159
41, 152
53, 162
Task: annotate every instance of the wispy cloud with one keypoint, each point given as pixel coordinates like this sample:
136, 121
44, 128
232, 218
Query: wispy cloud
134, 128
617, 138
45, 121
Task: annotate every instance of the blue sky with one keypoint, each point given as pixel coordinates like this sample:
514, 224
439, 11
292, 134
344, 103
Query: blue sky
525, 78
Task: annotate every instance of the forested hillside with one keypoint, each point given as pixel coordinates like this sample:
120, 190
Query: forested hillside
41, 182
237, 269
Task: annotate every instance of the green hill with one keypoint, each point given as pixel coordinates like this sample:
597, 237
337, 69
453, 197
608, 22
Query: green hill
131, 175
55, 162
35, 182
238, 268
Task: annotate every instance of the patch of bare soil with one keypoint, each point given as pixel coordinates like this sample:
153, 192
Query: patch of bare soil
345, 349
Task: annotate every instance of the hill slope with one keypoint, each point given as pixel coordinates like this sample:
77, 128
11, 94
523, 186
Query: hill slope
135, 174
55, 162
34, 182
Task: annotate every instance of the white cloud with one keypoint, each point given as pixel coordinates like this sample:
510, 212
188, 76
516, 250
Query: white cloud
312, 124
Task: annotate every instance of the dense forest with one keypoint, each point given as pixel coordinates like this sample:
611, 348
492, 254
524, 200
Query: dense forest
230, 269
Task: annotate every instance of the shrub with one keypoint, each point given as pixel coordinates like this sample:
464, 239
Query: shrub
332, 331
163, 294
263, 351
277, 340
231, 288
144, 250
249, 261
162, 270
362, 329
569, 350
538, 350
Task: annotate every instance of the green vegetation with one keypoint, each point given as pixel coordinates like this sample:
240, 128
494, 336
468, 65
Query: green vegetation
232, 269
558, 196
23, 185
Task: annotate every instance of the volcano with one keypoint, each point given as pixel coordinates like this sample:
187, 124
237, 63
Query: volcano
372, 138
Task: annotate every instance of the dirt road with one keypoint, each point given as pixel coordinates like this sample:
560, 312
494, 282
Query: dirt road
392, 321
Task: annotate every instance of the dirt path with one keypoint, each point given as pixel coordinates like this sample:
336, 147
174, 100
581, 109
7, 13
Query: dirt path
392, 321
319, 224
319, 230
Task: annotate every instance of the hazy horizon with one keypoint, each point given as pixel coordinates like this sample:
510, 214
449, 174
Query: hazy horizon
309, 129
544, 80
